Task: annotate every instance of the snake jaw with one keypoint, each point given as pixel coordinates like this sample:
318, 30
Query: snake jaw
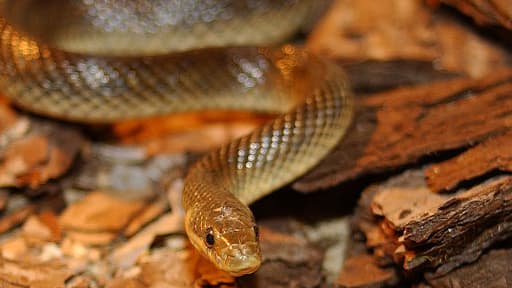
241, 259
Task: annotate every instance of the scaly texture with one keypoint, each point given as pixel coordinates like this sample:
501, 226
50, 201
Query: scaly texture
95, 67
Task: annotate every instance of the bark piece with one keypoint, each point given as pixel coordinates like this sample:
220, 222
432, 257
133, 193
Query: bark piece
408, 204
394, 29
461, 228
493, 12
492, 154
401, 126
493, 269
362, 268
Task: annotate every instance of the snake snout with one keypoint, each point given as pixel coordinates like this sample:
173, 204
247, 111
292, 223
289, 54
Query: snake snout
243, 258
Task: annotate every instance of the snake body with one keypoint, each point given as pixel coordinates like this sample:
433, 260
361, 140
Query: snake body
104, 61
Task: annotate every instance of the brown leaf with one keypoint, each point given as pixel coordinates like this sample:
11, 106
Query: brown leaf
43, 275
100, 212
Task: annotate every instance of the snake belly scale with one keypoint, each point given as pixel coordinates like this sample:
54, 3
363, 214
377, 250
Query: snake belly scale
103, 61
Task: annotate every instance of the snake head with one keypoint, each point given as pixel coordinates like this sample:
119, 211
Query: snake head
227, 235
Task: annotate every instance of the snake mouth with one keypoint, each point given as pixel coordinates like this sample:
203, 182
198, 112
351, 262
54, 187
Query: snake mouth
249, 265
241, 260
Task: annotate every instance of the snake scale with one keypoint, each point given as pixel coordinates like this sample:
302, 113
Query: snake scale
103, 61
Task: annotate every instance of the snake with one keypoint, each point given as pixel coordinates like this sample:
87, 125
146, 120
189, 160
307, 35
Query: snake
100, 61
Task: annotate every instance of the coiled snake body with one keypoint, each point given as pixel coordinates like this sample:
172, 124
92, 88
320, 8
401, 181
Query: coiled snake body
103, 61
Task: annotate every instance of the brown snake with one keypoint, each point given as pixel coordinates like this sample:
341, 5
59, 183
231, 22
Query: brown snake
103, 61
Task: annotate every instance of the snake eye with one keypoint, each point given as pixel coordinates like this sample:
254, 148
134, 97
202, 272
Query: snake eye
256, 232
209, 238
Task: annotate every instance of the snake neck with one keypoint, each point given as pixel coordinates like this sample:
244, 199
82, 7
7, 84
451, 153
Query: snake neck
219, 226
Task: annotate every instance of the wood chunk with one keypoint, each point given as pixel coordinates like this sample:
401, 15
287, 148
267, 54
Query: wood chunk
493, 12
363, 271
100, 212
446, 232
408, 204
394, 29
361, 268
461, 228
439, 234
401, 126
365, 222
493, 269
494, 153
